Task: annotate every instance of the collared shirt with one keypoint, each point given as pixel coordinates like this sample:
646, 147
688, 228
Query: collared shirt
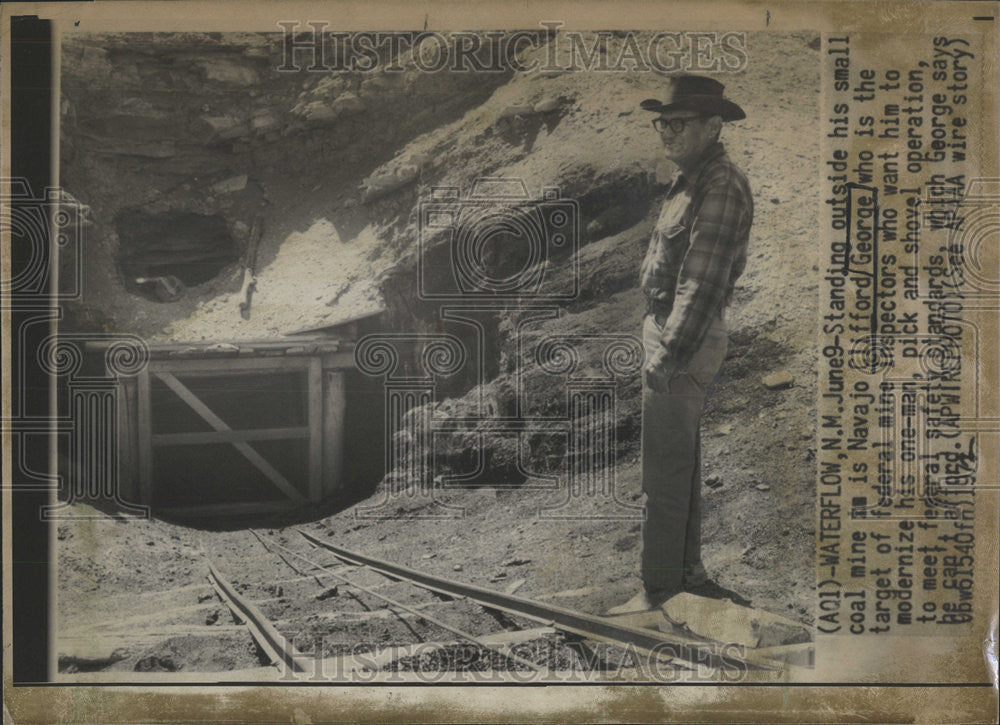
697, 252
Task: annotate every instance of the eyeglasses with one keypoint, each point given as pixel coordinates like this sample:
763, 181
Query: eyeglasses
676, 125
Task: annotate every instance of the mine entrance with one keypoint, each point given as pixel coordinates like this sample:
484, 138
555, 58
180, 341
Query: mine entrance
223, 439
236, 427
191, 247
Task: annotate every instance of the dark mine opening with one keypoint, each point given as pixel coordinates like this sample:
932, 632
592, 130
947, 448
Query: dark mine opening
217, 473
261, 432
189, 247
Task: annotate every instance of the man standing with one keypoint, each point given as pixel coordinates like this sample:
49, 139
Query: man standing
697, 252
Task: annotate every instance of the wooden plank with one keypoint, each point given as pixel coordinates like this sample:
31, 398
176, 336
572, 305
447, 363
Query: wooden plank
128, 470
217, 347
801, 655
343, 359
315, 429
238, 508
206, 367
231, 436
334, 409
144, 432
216, 422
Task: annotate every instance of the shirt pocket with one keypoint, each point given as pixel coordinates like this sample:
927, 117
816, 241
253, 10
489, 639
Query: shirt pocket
670, 231
674, 244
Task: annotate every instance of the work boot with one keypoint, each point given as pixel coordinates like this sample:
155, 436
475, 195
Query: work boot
713, 590
642, 602
695, 577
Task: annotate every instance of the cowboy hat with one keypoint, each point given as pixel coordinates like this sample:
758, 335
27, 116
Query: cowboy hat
695, 93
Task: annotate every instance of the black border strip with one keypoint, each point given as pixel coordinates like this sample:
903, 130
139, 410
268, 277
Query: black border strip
30, 161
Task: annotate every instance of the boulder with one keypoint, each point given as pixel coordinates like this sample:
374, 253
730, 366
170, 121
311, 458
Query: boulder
389, 182
347, 103
151, 149
229, 72
316, 112
330, 86
264, 121
126, 74
382, 82
547, 105
778, 380
95, 61
230, 185
224, 127
518, 109
90, 660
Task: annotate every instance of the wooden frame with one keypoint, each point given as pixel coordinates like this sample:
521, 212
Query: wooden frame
239, 441
324, 369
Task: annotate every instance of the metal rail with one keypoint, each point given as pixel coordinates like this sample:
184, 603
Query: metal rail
423, 615
568, 620
279, 649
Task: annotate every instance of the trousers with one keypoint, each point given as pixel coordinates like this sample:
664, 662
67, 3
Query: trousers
671, 463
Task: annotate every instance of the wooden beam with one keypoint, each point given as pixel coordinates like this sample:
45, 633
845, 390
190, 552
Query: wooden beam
227, 366
144, 425
315, 429
128, 465
231, 436
342, 359
237, 508
216, 422
335, 404
212, 348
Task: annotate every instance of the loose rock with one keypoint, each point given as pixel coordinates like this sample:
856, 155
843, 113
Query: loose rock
516, 562
778, 380
230, 185
328, 594
517, 110
546, 105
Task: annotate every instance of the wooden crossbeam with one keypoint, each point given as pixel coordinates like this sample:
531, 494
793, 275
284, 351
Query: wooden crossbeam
218, 424
316, 427
231, 436
144, 420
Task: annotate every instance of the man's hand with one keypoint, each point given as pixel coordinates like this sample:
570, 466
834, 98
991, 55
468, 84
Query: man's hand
658, 371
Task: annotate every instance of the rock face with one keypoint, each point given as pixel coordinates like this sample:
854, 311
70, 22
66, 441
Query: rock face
205, 124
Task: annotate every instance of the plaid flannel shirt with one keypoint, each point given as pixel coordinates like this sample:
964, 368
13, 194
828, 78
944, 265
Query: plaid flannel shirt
697, 252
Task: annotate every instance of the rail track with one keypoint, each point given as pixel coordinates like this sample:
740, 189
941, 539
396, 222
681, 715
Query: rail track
678, 648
